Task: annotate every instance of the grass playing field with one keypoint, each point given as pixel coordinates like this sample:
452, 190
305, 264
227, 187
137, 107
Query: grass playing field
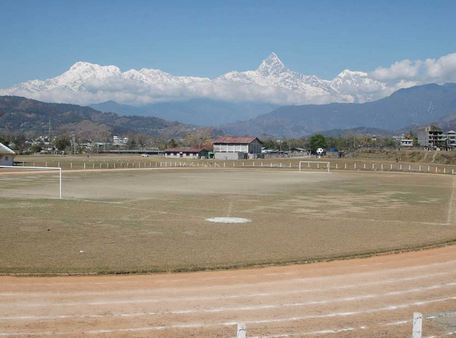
155, 220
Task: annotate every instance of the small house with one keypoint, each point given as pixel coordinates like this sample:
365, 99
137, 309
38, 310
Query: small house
6, 155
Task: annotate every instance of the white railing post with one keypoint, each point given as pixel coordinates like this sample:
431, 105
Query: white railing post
241, 331
417, 325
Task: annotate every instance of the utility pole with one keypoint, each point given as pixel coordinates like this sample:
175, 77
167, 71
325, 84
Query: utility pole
49, 130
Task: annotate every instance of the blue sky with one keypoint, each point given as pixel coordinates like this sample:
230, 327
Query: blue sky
41, 39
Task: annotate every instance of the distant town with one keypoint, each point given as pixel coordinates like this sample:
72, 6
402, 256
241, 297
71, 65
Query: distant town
227, 147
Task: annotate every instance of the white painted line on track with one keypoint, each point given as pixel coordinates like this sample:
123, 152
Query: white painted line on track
240, 308
329, 331
232, 323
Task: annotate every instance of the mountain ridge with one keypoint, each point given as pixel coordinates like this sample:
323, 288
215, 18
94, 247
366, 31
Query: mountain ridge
32, 117
405, 108
272, 82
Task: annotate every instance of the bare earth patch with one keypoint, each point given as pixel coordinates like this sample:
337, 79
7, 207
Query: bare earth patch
156, 220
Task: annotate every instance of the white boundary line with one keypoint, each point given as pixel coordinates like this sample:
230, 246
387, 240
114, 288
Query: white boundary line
201, 325
39, 168
237, 308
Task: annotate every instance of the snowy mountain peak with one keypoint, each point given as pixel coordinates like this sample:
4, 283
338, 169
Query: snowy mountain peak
347, 73
272, 65
272, 82
82, 67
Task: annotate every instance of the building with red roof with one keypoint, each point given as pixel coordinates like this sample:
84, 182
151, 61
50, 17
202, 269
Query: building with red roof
237, 147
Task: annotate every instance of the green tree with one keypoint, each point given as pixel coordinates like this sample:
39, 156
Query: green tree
317, 141
62, 142
36, 148
172, 143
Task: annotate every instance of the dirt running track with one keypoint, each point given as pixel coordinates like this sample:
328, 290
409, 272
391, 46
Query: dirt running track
371, 297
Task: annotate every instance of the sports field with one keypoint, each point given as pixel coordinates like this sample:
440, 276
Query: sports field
117, 221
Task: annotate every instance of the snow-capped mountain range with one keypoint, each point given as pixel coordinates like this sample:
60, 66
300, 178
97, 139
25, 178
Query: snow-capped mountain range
272, 82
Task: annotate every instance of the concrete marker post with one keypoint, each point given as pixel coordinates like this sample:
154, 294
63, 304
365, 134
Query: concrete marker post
242, 331
417, 330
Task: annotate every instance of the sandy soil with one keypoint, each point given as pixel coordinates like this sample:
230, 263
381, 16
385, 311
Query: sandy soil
372, 297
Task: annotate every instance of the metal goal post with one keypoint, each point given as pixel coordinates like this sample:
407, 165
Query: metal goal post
314, 165
59, 169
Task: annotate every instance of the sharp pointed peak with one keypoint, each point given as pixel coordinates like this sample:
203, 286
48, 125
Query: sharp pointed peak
272, 64
273, 57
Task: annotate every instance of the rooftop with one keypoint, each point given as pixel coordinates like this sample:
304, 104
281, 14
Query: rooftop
184, 150
235, 139
5, 150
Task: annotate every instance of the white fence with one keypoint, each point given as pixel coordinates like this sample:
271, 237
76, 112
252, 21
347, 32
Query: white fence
264, 163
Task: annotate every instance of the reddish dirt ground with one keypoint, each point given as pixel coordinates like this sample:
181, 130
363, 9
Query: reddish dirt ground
372, 297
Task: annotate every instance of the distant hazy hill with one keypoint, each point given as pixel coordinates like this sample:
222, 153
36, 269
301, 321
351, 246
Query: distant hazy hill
18, 114
203, 112
404, 108
357, 131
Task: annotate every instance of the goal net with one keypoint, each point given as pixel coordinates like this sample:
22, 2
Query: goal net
27, 181
314, 165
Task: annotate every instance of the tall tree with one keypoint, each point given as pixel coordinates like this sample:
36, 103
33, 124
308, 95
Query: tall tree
317, 141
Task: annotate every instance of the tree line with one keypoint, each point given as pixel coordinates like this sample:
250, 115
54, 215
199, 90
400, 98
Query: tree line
201, 139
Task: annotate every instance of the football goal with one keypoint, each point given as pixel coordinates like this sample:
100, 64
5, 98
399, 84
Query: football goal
22, 176
312, 165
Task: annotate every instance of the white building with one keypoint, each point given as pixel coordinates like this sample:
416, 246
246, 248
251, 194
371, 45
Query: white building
186, 152
451, 137
406, 142
119, 141
431, 137
6, 155
236, 148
